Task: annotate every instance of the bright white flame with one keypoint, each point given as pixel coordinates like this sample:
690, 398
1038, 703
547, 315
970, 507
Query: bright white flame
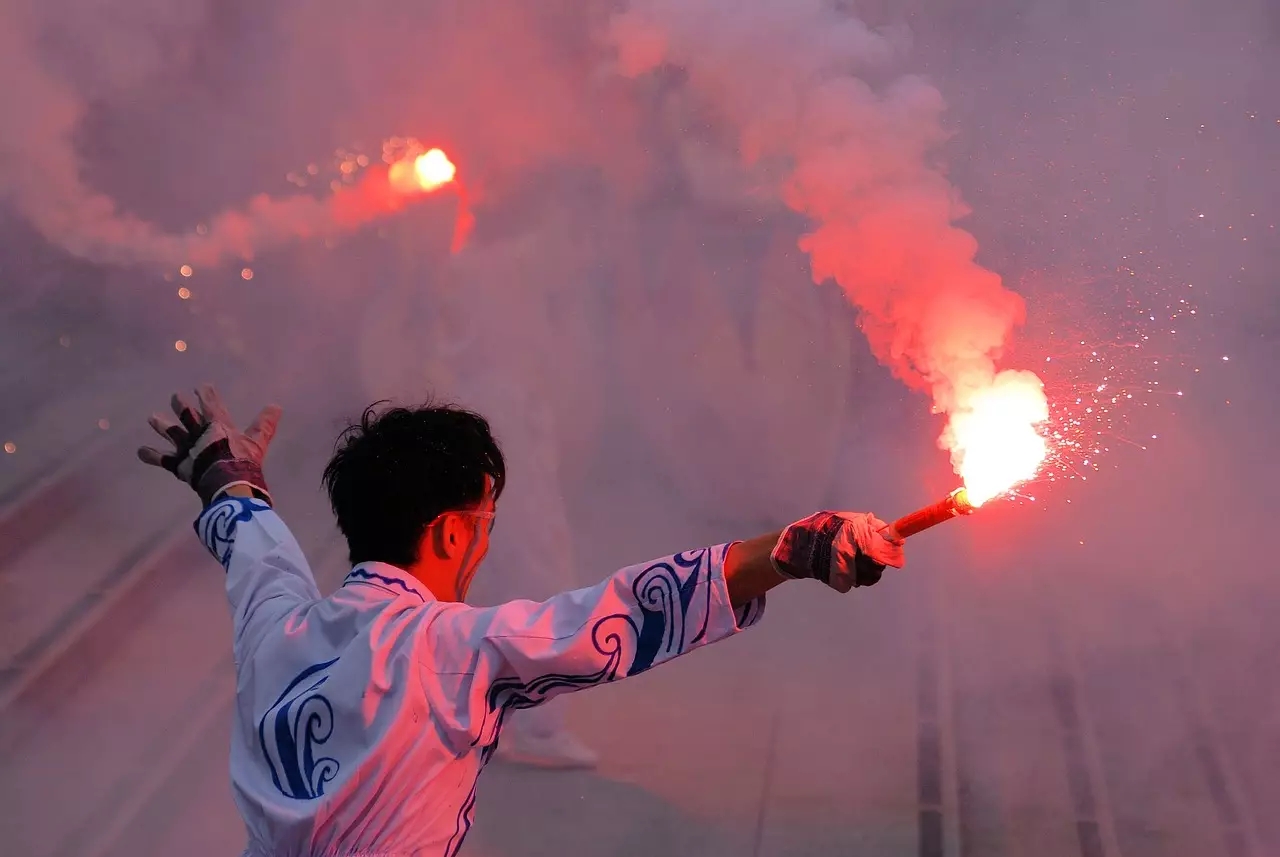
993, 437
433, 169
423, 173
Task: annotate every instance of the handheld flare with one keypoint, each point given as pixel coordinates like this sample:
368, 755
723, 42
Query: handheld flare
953, 505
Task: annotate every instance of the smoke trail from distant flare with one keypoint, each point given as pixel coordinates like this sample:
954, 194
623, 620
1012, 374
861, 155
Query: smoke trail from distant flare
790, 79
41, 172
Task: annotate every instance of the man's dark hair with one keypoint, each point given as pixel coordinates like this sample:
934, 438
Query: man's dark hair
395, 472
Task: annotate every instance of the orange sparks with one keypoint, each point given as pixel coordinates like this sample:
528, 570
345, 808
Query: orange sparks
994, 438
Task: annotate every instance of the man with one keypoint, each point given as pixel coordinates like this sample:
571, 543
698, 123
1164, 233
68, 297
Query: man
363, 719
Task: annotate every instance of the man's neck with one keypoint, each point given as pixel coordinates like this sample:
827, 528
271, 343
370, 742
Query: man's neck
442, 581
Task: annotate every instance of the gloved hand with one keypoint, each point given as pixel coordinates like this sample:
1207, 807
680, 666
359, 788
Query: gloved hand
841, 549
210, 453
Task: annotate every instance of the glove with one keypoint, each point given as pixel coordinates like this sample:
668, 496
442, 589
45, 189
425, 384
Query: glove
841, 549
210, 454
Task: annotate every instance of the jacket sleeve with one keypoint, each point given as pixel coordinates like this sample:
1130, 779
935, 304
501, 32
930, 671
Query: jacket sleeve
267, 575
478, 663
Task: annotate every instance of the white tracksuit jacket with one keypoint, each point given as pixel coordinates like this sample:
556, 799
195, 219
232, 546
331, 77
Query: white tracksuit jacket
363, 719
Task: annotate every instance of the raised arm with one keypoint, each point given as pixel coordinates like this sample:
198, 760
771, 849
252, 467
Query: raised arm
477, 663
267, 575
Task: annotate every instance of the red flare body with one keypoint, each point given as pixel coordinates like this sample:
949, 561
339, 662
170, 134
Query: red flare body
953, 505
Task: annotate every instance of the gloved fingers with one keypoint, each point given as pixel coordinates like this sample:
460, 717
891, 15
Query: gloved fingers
156, 458
880, 549
880, 526
263, 427
866, 571
873, 543
862, 526
211, 405
170, 430
187, 415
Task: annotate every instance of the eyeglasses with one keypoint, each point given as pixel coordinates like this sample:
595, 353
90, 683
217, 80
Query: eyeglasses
483, 515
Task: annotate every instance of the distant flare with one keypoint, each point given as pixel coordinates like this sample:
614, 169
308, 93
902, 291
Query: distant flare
423, 173
434, 169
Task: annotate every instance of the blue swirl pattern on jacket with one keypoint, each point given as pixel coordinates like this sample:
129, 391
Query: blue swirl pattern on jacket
216, 526
300, 721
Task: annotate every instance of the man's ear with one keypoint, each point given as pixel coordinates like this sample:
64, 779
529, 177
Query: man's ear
452, 538
440, 540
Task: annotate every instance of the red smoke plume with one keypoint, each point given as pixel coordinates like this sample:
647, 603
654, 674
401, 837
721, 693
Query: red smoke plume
787, 81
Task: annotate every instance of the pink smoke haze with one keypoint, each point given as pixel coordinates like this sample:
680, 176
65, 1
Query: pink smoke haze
708, 266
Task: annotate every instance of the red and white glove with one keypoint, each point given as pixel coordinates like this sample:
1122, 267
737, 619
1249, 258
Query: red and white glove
841, 549
210, 454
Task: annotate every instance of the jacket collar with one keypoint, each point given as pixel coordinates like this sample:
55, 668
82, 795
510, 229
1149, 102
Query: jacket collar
394, 581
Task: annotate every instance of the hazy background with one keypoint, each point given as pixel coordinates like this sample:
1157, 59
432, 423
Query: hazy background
1089, 673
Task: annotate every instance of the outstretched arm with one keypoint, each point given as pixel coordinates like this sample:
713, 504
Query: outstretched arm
749, 571
477, 663
267, 575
